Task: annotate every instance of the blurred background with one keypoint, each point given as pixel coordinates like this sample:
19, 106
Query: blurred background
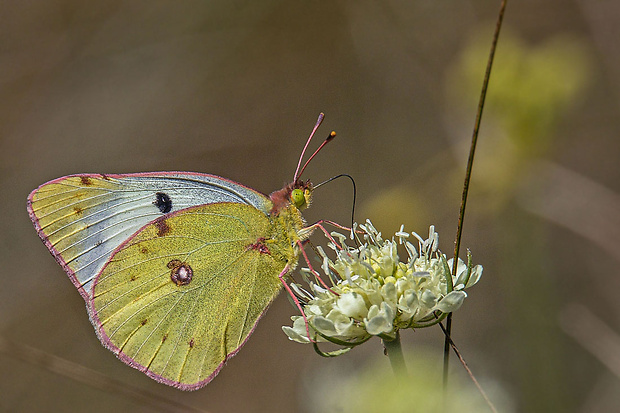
233, 88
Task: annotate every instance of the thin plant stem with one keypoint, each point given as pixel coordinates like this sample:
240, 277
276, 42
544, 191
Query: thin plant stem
394, 352
470, 163
471, 375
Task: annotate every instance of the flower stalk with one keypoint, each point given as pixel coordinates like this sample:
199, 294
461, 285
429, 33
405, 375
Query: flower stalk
394, 352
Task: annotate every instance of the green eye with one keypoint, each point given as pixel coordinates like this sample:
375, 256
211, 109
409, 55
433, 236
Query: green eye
298, 198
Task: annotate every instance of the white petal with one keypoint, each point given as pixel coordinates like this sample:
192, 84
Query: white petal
292, 335
476, 273
451, 302
298, 332
428, 299
323, 325
388, 291
378, 325
352, 305
408, 301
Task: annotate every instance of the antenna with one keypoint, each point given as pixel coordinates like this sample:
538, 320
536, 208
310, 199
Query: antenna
331, 136
354, 190
318, 123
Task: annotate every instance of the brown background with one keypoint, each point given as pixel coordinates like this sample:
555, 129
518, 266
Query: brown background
233, 88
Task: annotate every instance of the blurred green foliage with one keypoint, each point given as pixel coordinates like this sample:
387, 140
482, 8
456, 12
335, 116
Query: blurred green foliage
532, 85
373, 387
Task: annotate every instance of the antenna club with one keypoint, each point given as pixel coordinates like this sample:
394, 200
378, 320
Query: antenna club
331, 136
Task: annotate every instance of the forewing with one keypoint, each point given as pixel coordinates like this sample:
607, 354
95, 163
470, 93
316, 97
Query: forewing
182, 333
83, 218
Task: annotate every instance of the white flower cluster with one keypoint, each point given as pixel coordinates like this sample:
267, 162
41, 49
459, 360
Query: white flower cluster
373, 293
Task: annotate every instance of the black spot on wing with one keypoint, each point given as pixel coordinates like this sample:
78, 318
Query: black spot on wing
163, 202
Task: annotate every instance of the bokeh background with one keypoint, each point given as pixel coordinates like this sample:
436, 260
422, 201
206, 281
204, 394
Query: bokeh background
233, 88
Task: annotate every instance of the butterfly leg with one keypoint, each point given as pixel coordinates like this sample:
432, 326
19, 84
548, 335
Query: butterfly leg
314, 272
334, 224
319, 224
295, 300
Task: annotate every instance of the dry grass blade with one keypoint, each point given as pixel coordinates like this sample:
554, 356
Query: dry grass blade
90, 377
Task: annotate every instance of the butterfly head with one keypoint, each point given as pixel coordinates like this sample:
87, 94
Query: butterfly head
297, 194
301, 195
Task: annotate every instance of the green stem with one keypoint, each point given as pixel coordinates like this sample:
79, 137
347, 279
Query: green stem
395, 353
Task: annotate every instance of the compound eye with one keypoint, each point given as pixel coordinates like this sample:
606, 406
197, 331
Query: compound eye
298, 198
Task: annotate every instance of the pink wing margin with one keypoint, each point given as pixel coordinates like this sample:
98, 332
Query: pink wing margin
254, 198
245, 194
107, 342
55, 253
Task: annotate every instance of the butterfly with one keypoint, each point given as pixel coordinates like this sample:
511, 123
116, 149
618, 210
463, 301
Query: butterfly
176, 268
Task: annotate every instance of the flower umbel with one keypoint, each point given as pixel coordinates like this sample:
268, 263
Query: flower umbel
373, 293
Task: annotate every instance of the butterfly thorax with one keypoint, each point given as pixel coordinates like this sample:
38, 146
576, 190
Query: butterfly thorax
287, 220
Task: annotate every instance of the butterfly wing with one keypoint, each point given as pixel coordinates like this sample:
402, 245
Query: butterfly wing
82, 219
183, 294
